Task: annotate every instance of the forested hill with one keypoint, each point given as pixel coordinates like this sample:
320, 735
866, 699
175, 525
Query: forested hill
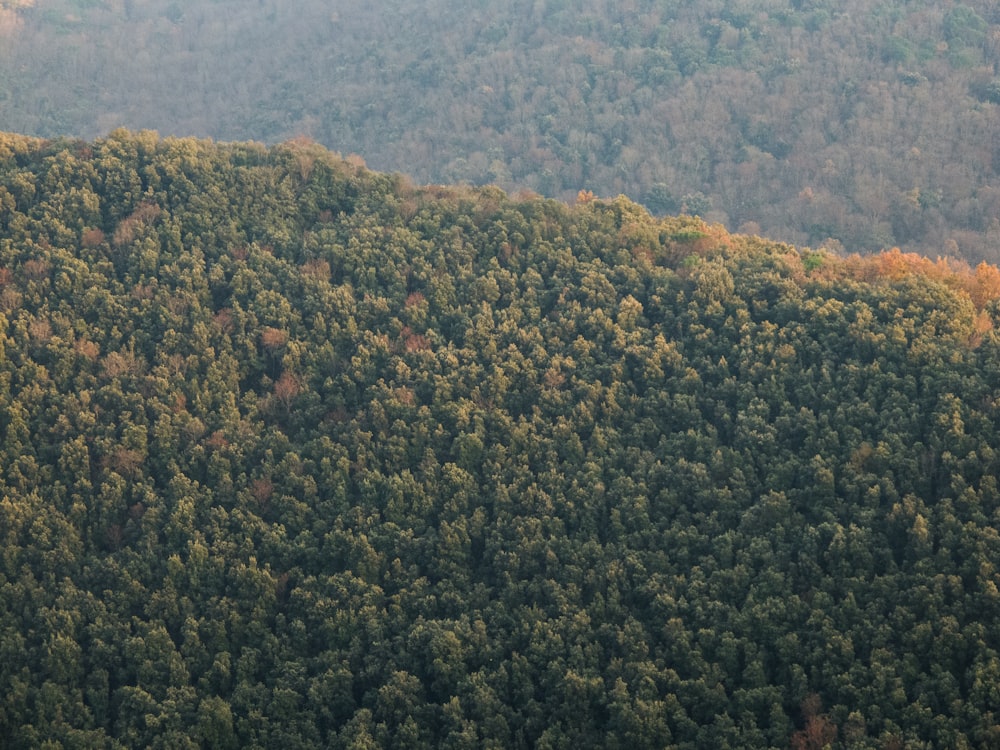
294, 454
873, 123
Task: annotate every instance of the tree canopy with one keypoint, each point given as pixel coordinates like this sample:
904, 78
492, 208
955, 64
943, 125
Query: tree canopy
296, 454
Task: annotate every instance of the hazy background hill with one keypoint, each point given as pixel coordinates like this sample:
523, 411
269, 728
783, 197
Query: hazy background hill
869, 123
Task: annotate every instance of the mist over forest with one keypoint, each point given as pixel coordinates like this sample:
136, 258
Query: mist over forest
859, 125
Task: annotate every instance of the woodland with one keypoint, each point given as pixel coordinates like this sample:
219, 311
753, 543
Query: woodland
857, 124
296, 454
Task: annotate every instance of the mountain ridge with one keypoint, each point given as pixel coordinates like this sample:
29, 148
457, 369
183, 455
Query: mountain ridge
294, 453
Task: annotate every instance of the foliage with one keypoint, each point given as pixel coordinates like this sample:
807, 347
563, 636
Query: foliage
294, 454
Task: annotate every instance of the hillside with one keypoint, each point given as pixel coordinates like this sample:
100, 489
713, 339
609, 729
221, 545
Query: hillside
295, 454
867, 123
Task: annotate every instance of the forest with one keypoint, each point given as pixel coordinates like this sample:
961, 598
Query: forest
296, 454
858, 124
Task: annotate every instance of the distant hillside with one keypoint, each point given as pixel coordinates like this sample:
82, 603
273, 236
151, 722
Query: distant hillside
864, 123
294, 454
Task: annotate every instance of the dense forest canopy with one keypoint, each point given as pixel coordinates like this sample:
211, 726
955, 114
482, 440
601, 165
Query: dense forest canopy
295, 454
862, 122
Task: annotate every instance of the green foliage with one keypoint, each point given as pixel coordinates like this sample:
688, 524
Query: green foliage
812, 260
296, 454
963, 26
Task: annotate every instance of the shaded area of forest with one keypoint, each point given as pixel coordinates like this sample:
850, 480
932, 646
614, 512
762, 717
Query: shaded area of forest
865, 123
294, 454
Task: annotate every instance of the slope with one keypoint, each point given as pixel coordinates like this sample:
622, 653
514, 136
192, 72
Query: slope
296, 454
